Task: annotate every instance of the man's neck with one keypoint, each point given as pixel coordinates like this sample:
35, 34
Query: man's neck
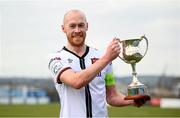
79, 50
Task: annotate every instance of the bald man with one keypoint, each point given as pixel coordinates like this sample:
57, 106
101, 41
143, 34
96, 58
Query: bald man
83, 76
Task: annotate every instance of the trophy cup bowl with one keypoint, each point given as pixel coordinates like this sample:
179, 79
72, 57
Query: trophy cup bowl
133, 50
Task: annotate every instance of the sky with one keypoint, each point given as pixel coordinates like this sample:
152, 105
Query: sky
31, 29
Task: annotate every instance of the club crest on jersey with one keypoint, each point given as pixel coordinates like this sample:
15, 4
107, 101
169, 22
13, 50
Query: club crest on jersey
93, 60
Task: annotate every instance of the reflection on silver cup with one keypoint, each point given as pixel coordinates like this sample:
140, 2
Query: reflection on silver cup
131, 52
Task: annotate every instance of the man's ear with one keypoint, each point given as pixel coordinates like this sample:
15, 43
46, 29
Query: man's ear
62, 28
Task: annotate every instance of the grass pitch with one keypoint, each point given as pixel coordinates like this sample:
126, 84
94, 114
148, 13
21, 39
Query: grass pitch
52, 110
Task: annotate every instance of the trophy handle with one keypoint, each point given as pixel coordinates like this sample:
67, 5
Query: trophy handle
143, 37
118, 55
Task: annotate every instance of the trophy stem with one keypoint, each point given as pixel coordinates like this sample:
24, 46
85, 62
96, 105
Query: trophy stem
133, 65
135, 81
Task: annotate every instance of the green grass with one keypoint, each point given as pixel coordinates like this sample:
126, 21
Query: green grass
145, 111
52, 110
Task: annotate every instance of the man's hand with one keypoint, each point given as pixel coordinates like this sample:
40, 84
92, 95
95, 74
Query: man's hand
139, 102
113, 50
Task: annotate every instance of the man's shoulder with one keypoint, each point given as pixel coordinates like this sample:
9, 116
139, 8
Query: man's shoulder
57, 53
95, 51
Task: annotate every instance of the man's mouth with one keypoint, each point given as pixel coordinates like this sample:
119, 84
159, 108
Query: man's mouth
77, 36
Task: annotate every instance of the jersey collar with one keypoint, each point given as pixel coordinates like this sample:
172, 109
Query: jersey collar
86, 52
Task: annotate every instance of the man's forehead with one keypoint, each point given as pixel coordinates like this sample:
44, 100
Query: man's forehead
74, 16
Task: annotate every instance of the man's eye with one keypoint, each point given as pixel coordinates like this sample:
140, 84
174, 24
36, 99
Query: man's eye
81, 25
72, 26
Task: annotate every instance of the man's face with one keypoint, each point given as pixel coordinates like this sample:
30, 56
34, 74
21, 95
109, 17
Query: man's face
75, 27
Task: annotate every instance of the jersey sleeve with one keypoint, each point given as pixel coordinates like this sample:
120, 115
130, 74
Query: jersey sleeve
57, 66
109, 77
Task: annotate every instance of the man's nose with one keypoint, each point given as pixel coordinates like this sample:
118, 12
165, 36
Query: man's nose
77, 29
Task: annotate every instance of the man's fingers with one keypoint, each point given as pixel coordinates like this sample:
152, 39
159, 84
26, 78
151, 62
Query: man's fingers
139, 102
117, 39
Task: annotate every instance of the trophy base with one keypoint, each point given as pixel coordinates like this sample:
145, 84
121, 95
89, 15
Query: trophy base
137, 92
136, 97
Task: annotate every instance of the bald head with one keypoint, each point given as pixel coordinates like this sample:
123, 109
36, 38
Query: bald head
73, 13
75, 27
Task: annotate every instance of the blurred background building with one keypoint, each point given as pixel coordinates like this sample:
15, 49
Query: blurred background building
42, 91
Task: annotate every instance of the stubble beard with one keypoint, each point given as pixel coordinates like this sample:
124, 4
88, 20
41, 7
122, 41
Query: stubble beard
75, 41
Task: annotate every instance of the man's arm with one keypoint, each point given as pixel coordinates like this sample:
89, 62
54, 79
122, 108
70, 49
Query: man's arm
114, 98
82, 78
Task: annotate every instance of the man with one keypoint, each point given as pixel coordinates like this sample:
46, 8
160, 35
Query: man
83, 75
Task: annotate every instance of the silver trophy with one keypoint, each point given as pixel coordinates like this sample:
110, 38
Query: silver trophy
133, 50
